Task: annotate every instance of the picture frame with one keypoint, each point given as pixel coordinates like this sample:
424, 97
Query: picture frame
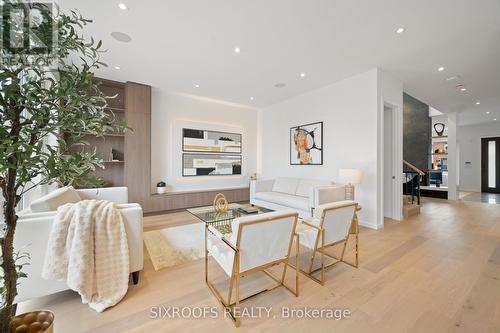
306, 144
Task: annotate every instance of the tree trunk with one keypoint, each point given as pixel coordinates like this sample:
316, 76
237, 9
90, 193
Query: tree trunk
8, 265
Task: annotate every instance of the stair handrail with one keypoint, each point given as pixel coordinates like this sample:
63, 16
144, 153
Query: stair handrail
414, 168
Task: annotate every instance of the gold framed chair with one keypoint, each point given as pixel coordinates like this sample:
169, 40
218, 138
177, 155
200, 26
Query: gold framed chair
257, 242
331, 225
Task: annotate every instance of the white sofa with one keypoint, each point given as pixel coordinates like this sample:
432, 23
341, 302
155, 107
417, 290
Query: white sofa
302, 195
33, 231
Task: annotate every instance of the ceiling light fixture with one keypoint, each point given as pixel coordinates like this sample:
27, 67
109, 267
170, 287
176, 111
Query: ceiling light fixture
478, 103
251, 98
117, 67
463, 89
197, 85
122, 6
237, 49
487, 112
495, 119
302, 74
440, 69
400, 30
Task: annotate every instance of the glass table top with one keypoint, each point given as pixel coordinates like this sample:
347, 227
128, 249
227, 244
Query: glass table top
208, 215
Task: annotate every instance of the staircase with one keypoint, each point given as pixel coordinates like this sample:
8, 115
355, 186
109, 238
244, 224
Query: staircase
412, 177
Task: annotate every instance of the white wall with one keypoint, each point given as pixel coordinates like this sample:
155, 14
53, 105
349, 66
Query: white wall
350, 112
171, 112
469, 140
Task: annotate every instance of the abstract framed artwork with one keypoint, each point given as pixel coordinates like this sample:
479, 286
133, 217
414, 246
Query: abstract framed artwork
306, 144
194, 140
210, 165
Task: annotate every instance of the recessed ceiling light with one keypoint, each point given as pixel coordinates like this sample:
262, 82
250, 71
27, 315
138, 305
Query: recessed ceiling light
495, 119
478, 103
121, 37
122, 6
487, 112
400, 30
237, 49
302, 74
440, 69
280, 85
251, 98
452, 78
463, 89
197, 85
117, 67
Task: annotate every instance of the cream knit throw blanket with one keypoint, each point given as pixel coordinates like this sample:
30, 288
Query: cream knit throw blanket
88, 249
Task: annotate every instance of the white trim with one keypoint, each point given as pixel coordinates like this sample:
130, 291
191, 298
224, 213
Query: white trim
397, 154
369, 225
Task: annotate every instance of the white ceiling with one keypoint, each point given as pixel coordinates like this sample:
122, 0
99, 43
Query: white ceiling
179, 43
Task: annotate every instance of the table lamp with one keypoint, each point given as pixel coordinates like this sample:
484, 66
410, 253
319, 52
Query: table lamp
350, 177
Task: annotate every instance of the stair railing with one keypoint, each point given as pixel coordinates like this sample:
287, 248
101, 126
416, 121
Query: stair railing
413, 178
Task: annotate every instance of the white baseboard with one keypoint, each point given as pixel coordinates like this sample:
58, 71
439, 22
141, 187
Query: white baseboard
367, 224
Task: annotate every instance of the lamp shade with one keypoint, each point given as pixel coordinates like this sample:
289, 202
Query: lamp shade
350, 176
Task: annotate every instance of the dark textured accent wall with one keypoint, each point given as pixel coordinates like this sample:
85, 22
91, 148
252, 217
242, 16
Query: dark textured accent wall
416, 132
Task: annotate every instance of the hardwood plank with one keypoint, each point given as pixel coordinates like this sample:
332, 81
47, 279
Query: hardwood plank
435, 272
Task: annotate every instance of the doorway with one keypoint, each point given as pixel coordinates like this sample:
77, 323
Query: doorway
490, 165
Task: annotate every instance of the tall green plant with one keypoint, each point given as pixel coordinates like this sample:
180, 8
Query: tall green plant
43, 95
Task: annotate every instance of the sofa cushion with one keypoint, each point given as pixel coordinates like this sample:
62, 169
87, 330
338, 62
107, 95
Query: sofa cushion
54, 199
284, 199
285, 185
304, 186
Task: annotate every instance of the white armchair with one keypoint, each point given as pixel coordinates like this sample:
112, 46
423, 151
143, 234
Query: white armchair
331, 225
257, 243
33, 230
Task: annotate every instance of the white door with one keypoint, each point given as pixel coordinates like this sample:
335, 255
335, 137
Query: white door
388, 162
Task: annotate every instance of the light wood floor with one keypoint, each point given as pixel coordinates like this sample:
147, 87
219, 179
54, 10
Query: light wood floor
436, 272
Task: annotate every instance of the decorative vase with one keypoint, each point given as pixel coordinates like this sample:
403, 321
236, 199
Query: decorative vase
161, 187
439, 128
41, 321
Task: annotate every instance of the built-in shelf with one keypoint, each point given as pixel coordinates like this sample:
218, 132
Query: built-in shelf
440, 137
439, 154
435, 188
115, 134
115, 109
107, 134
113, 161
435, 170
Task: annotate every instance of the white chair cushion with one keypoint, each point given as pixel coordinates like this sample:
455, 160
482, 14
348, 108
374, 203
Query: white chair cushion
283, 199
221, 252
285, 185
264, 242
305, 185
307, 237
53, 200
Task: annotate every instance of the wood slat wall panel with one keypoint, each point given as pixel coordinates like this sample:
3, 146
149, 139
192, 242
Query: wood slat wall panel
138, 142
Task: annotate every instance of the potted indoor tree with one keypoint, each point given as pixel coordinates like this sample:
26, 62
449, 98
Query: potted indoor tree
47, 88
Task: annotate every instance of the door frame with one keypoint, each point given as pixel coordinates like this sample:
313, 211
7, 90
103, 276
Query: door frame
484, 164
397, 161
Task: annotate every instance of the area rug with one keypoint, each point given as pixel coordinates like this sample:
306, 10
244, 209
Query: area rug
176, 245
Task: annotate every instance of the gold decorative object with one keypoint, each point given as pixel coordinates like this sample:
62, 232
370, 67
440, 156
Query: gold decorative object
220, 203
35, 321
